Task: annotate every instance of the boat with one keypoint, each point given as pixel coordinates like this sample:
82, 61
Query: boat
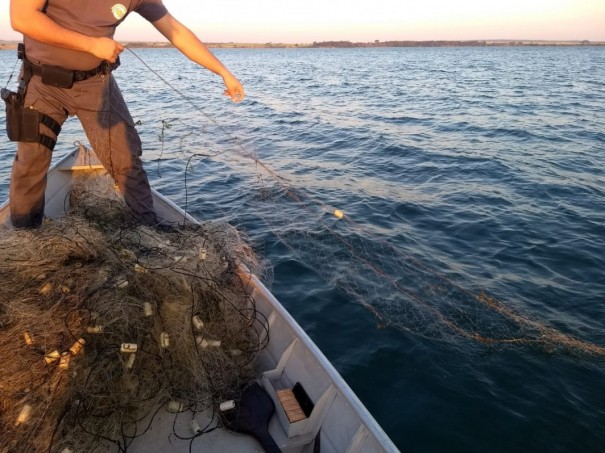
335, 420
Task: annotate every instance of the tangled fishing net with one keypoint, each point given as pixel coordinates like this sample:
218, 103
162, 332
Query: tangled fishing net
403, 292
390, 280
105, 323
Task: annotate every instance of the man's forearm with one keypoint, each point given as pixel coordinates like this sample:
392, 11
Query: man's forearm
190, 46
184, 40
27, 18
197, 52
39, 26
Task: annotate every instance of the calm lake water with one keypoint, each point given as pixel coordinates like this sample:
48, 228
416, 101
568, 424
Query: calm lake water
462, 294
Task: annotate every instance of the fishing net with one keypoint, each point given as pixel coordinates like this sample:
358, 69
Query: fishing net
279, 198
398, 288
104, 323
394, 284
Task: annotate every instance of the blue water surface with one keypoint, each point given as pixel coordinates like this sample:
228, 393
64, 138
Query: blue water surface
462, 295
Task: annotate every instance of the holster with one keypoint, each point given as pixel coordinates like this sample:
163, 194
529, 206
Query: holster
23, 124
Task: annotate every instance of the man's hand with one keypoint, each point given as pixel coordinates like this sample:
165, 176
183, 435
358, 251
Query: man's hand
106, 49
234, 90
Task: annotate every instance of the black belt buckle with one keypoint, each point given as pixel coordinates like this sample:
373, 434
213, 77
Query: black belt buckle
57, 77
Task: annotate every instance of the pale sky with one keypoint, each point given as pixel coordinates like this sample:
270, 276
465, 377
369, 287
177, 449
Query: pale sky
306, 21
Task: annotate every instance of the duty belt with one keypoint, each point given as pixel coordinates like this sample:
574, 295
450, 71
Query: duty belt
76, 76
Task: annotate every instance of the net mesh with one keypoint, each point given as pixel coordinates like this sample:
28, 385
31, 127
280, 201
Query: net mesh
104, 323
392, 283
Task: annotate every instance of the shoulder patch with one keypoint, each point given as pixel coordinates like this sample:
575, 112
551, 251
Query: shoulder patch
119, 11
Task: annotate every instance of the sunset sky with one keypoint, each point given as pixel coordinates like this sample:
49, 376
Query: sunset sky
323, 20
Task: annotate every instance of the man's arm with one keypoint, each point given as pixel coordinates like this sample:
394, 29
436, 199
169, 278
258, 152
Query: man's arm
190, 46
27, 18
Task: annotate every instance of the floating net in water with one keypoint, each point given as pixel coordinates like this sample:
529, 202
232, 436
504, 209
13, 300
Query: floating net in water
105, 323
398, 288
384, 276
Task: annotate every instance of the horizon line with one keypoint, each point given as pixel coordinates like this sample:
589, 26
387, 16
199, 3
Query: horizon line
579, 40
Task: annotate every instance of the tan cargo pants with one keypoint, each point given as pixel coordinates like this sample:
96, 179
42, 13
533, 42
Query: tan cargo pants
100, 107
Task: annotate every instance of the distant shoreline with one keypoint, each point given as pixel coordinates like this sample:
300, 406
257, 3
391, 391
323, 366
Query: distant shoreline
11, 45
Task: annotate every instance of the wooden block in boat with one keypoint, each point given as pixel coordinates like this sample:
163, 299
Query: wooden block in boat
291, 406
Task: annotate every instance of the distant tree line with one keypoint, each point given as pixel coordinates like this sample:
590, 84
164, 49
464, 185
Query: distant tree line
345, 44
399, 44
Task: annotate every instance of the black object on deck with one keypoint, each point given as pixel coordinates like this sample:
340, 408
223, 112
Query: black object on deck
252, 415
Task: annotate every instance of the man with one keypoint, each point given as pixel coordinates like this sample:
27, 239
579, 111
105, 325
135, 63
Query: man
68, 58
